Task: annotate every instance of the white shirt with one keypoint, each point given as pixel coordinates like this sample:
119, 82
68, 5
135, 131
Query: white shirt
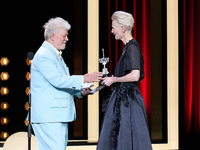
59, 53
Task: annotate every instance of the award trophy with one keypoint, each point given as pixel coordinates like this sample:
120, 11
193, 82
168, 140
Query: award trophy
105, 72
104, 61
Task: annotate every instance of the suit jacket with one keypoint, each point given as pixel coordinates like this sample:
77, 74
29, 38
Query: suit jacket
52, 88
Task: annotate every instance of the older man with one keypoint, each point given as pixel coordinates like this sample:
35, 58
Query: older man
53, 88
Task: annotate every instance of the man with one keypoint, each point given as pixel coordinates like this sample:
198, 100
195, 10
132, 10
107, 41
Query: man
52, 88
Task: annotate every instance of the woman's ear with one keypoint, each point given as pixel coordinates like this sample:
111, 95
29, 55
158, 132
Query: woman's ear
123, 29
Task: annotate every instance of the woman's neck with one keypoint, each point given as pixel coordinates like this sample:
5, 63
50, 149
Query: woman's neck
127, 37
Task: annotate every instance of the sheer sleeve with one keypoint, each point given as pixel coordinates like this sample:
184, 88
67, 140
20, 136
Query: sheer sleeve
132, 58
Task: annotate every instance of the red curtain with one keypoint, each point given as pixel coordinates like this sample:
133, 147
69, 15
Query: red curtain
140, 9
191, 31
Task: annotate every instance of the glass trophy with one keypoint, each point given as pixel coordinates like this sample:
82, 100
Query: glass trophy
104, 61
105, 72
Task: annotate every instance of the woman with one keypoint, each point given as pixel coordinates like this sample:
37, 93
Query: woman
125, 125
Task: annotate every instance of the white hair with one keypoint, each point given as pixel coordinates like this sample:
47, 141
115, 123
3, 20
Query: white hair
124, 18
54, 25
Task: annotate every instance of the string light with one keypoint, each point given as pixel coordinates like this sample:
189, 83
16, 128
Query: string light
4, 91
4, 120
4, 61
28, 76
27, 91
4, 76
4, 135
26, 122
4, 105
26, 106
28, 62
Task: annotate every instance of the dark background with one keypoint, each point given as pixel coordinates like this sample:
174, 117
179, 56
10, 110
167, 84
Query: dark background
22, 32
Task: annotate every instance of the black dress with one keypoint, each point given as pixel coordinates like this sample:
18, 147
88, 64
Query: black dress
125, 125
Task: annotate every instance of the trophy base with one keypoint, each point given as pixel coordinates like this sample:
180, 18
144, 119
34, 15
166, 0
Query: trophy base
105, 71
106, 75
100, 87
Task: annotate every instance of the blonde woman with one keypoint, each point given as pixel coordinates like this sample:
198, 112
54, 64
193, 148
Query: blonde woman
125, 125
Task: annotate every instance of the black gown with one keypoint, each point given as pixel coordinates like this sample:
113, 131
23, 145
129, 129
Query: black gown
125, 124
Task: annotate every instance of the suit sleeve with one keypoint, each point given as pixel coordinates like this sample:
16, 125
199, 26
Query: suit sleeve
49, 68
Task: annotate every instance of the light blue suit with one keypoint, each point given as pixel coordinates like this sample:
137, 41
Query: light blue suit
52, 88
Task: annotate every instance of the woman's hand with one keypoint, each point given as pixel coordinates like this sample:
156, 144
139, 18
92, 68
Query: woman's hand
108, 81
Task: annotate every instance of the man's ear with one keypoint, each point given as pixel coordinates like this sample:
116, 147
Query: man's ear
52, 36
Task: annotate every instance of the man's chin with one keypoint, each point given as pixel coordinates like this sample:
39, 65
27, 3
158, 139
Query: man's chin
62, 49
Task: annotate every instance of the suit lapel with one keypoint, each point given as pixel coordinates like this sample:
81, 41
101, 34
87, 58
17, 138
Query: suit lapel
66, 69
59, 60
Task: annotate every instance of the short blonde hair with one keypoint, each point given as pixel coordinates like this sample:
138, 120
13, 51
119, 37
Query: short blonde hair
124, 18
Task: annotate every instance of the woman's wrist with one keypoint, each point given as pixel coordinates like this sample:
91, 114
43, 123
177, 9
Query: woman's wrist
114, 79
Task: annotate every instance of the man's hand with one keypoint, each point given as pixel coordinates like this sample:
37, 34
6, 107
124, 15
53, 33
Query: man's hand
92, 77
86, 91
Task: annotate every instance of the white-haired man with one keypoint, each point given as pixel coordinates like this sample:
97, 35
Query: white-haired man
53, 88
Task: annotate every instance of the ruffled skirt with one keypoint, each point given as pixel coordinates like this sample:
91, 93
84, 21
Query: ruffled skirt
125, 125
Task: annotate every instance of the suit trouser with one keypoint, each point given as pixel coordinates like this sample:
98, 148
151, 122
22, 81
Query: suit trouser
51, 136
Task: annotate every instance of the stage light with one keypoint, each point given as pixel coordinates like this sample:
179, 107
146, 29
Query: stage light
27, 91
26, 106
4, 120
4, 61
4, 135
26, 122
4, 76
4, 91
4, 105
28, 76
28, 62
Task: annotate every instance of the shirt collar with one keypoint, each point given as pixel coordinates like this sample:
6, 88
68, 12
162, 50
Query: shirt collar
59, 53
